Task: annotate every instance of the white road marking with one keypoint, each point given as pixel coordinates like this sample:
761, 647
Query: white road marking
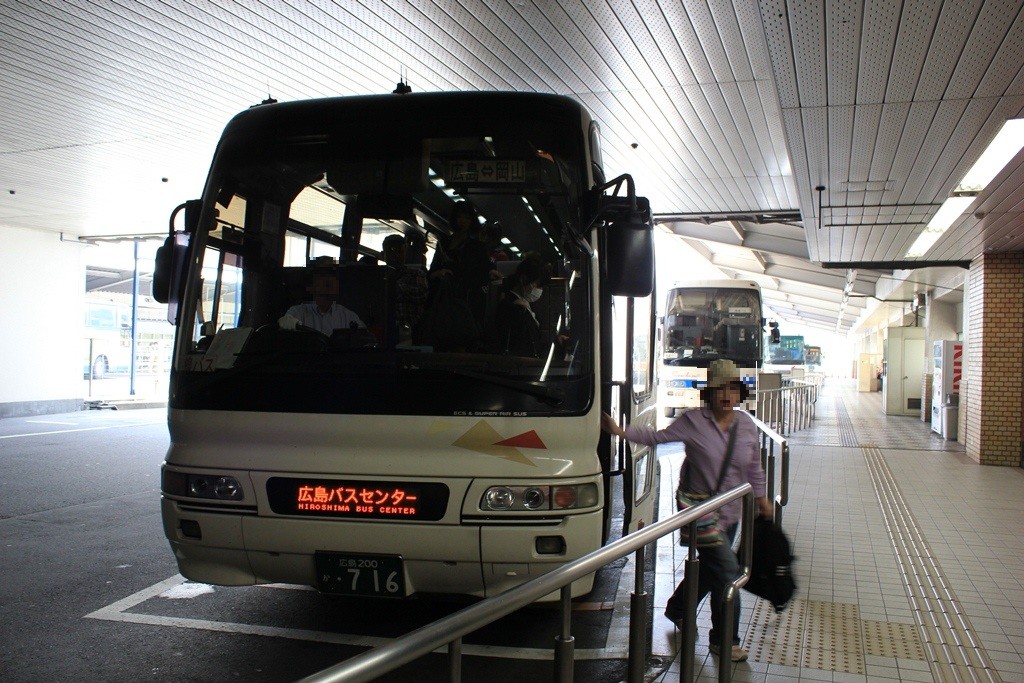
185, 591
82, 429
117, 611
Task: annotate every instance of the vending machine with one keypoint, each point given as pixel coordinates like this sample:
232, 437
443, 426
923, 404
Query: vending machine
948, 358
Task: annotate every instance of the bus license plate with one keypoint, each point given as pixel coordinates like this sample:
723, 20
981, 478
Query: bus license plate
352, 574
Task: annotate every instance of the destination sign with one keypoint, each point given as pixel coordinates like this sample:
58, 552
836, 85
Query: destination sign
485, 171
353, 498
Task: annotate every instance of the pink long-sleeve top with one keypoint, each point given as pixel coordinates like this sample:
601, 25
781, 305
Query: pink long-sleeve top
705, 443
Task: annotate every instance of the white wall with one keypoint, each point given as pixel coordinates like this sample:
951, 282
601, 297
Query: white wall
42, 279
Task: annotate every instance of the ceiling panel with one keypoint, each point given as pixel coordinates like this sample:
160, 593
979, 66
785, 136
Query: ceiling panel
733, 110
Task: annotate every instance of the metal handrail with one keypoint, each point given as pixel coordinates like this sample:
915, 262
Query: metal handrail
789, 408
769, 440
449, 631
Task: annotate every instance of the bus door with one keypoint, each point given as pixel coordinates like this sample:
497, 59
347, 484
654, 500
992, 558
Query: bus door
633, 400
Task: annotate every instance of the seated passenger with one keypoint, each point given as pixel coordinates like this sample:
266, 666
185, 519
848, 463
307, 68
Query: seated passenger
517, 330
323, 314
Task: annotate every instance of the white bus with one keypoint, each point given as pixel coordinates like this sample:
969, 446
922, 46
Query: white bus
706, 320
363, 463
108, 339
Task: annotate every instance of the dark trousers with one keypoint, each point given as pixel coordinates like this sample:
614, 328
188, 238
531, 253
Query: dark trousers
718, 566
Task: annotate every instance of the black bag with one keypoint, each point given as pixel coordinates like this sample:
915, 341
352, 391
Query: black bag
771, 577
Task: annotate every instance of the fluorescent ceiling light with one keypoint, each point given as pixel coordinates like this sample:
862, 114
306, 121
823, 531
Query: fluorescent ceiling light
923, 243
1007, 143
947, 213
1004, 147
940, 222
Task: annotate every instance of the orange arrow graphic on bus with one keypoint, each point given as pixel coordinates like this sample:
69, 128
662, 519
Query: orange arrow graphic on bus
482, 438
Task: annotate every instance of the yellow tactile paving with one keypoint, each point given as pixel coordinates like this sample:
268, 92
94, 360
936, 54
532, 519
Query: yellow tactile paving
826, 635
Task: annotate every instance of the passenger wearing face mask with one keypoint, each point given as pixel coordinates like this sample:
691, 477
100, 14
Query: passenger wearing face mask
518, 329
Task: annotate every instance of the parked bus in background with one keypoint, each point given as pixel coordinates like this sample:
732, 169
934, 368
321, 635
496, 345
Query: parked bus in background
703, 321
787, 357
108, 339
381, 461
812, 357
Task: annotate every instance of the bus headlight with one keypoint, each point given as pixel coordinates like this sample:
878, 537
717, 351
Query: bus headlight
212, 486
534, 498
567, 497
227, 488
498, 498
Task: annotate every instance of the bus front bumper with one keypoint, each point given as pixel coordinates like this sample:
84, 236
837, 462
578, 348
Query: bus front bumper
479, 559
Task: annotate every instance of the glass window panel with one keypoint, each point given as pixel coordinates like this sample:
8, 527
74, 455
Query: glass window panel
641, 346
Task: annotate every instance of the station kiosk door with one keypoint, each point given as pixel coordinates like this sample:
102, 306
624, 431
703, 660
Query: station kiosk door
903, 366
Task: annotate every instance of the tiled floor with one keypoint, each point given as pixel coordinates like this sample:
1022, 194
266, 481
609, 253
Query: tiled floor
910, 559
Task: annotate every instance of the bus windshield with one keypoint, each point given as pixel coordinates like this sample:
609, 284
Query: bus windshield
789, 351
428, 334
705, 323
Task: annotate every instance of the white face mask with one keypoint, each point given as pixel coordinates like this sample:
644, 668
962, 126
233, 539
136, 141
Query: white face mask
533, 294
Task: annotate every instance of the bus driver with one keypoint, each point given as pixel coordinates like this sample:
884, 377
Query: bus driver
323, 314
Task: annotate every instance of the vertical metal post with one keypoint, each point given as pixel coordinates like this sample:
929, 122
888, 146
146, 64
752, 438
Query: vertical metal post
787, 408
89, 366
135, 319
725, 636
455, 661
691, 576
639, 606
732, 592
783, 497
798, 408
564, 642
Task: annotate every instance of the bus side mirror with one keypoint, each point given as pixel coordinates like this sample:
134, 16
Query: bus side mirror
169, 273
628, 241
162, 267
773, 334
630, 254
171, 257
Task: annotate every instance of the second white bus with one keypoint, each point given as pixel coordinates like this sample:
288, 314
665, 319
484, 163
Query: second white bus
706, 320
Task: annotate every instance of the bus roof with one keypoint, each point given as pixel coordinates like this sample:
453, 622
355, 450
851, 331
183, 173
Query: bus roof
736, 284
268, 120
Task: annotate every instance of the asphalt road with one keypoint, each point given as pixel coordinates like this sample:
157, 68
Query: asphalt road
90, 590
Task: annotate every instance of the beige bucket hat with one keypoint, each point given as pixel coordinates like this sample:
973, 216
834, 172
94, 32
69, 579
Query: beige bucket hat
721, 372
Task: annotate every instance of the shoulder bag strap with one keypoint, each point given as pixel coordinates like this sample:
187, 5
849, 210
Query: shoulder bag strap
728, 457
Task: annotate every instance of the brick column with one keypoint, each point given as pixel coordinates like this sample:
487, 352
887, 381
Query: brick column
990, 404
